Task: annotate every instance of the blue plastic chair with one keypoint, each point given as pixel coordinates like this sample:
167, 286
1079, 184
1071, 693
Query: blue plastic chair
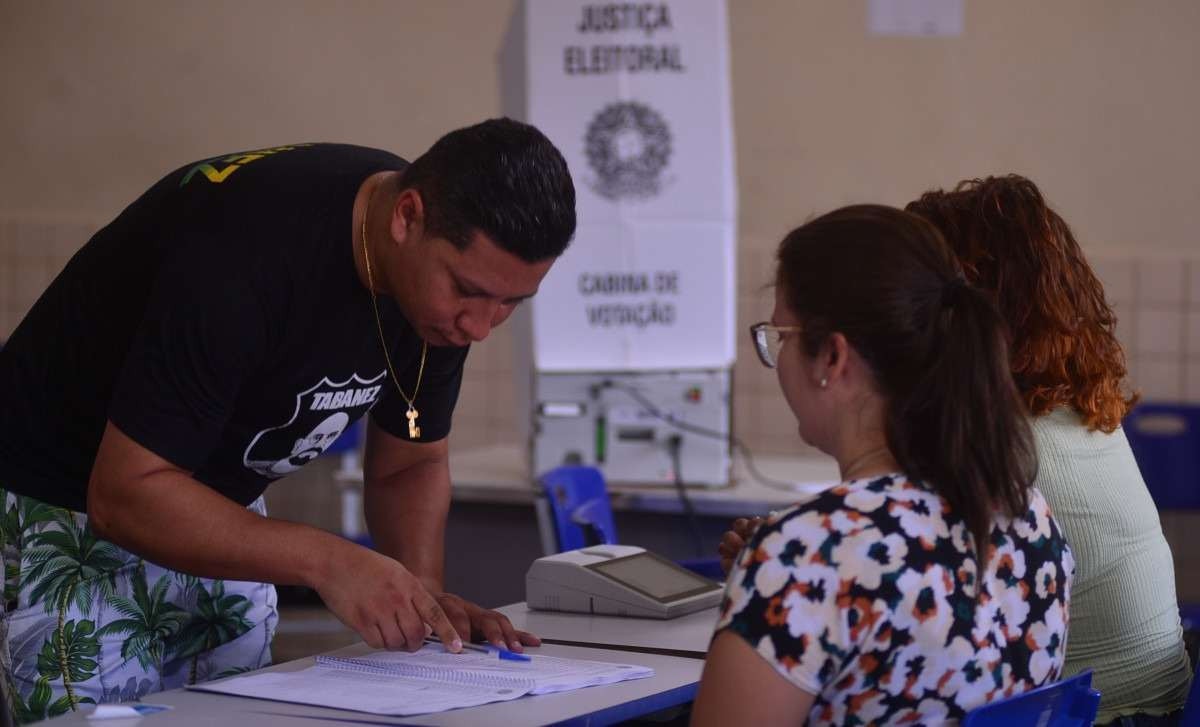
1165, 439
1191, 708
1069, 703
582, 515
579, 504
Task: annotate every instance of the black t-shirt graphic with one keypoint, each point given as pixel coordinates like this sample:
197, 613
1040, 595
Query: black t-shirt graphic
219, 322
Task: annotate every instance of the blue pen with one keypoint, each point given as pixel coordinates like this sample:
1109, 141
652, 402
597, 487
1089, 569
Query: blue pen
503, 654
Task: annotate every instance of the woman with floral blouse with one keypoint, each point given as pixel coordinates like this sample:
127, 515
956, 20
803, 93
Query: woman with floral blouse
933, 579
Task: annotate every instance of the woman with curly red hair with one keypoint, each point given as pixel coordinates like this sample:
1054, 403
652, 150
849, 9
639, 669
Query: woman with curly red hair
1069, 369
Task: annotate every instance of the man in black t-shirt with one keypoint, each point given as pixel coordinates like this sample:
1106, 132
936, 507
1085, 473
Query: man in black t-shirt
218, 335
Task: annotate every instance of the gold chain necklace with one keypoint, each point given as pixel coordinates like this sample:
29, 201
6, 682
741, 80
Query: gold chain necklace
413, 430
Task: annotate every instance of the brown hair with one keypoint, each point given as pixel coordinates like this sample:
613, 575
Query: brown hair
936, 346
1012, 245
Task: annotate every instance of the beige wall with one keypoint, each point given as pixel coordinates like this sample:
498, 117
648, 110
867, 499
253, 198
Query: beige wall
1095, 99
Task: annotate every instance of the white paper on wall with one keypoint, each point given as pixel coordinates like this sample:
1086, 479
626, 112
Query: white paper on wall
636, 95
930, 18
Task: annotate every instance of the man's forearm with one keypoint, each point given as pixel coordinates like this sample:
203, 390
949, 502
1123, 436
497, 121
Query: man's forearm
406, 515
148, 506
179, 523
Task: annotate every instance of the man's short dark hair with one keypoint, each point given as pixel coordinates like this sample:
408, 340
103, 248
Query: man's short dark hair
502, 178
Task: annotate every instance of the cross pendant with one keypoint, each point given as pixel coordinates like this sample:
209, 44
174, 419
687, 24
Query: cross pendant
413, 430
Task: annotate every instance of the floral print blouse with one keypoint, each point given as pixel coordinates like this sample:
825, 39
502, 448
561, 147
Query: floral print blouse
865, 597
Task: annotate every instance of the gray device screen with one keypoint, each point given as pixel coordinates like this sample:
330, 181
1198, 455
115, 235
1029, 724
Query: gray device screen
655, 577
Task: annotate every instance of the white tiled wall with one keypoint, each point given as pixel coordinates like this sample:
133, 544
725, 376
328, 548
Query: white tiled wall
1157, 302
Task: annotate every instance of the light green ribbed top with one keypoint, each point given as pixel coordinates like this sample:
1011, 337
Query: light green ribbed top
1124, 618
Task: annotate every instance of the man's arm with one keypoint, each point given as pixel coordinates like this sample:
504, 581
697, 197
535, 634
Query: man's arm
149, 506
407, 498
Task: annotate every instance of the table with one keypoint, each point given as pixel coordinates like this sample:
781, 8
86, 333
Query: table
687, 635
673, 684
493, 518
500, 474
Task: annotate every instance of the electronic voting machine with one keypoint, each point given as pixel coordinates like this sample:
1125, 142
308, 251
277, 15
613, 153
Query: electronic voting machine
617, 580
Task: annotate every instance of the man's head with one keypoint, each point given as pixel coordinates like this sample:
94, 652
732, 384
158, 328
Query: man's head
476, 223
502, 178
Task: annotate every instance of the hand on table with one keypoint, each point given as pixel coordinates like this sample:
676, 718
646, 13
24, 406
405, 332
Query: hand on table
484, 625
734, 540
385, 604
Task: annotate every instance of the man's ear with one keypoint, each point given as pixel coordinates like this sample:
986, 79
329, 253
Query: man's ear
408, 215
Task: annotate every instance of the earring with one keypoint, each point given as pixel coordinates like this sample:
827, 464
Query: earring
824, 382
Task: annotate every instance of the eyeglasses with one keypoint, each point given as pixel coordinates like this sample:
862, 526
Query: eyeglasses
768, 339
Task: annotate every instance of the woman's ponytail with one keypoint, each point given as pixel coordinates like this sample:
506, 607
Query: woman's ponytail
961, 425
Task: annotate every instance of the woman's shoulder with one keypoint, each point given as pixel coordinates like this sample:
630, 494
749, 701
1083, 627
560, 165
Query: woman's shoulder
1062, 433
864, 539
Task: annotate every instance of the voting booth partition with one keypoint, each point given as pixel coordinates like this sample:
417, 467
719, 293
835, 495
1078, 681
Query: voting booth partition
631, 336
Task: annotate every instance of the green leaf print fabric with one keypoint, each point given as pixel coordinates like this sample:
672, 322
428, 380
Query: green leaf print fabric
88, 622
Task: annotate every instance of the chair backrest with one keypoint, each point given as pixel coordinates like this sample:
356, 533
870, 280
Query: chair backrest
578, 500
1165, 439
1066, 703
